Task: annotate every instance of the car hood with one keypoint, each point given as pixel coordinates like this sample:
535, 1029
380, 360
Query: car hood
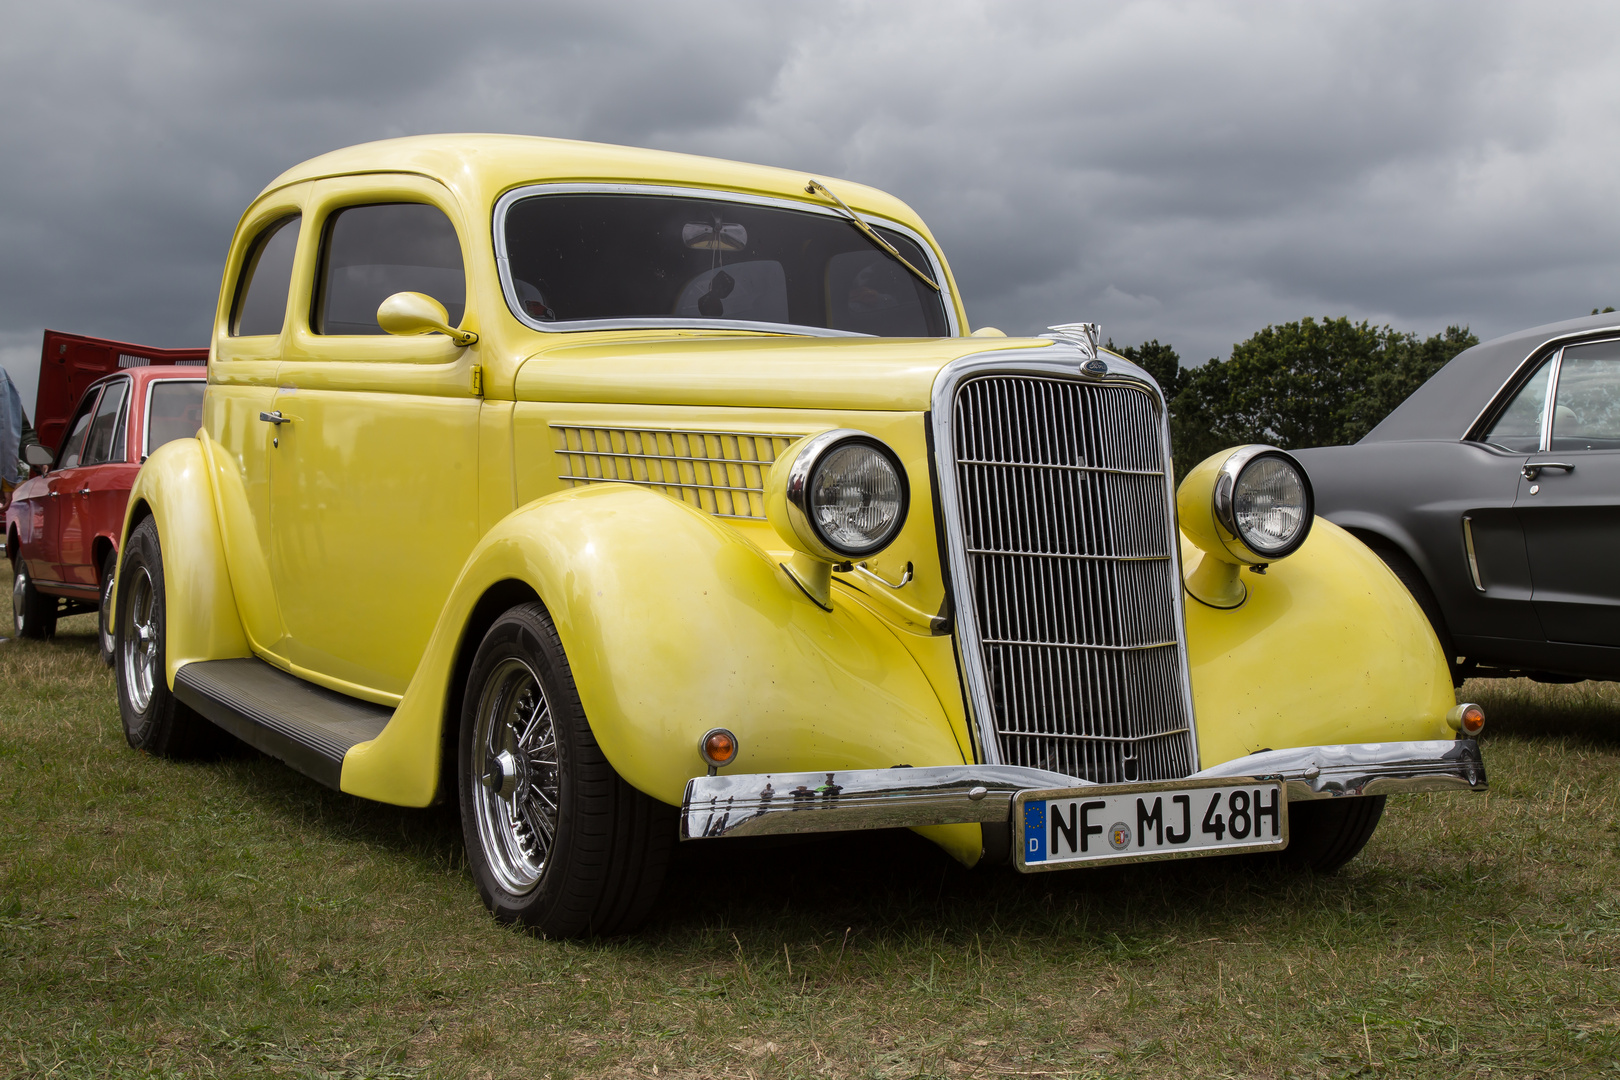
748, 370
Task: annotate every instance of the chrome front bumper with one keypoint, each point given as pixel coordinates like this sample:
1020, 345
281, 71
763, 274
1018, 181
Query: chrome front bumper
763, 804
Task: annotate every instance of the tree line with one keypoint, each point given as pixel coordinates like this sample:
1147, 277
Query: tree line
1293, 385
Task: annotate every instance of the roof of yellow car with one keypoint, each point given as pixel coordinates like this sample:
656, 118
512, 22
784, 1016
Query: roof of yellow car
490, 164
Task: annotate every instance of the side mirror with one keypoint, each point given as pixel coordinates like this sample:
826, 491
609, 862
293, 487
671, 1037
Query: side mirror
409, 313
38, 456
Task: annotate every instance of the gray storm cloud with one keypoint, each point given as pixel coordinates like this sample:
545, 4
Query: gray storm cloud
1185, 171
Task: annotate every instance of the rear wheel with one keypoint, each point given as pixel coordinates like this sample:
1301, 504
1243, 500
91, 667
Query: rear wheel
556, 840
1324, 834
104, 618
33, 614
154, 719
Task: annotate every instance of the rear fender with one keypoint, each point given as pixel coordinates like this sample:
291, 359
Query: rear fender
174, 489
673, 623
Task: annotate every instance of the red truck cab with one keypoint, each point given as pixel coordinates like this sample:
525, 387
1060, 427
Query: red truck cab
62, 525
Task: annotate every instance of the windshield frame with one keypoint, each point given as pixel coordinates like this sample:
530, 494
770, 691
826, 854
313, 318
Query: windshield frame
641, 322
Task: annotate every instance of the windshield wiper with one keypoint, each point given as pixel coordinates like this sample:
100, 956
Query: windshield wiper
870, 233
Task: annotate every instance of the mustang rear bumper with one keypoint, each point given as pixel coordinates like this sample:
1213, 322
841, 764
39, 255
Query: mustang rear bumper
763, 804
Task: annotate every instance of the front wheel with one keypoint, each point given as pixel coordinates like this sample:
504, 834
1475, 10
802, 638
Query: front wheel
154, 719
556, 840
1324, 834
33, 614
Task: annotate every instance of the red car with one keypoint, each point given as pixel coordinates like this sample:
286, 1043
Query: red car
62, 526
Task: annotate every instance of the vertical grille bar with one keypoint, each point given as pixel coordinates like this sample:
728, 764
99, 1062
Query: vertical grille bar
1066, 526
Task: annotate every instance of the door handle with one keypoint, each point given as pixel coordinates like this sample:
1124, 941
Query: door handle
84, 490
1532, 469
275, 418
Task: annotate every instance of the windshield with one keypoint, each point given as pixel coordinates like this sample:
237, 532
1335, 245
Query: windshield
588, 256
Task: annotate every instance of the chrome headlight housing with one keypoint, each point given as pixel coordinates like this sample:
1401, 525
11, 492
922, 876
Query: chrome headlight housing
844, 496
1263, 499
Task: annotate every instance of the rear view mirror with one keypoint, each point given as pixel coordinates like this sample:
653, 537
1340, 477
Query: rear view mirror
38, 456
714, 236
409, 313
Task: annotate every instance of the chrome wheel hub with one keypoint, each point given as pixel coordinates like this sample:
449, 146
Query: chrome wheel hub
516, 800
139, 646
19, 592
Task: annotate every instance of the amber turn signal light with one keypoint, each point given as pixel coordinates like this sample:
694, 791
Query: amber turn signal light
718, 747
1467, 719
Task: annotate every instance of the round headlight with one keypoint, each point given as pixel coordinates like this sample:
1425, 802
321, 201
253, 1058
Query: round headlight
848, 495
857, 499
1264, 499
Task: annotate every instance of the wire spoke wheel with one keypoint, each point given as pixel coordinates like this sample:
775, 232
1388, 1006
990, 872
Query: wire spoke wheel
139, 642
519, 790
557, 841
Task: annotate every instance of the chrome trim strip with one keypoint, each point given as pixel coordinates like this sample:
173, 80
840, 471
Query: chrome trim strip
1548, 403
503, 264
1468, 547
1327, 772
765, 804
1062, 359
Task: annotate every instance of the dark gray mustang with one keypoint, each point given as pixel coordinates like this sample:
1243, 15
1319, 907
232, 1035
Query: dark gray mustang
1493, 492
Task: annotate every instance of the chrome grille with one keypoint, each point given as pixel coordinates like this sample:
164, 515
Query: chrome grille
722, 472
1066, 527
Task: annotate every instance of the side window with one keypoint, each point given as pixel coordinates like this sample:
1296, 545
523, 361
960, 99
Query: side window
72, 449
1586, 409
372, 252
103, 445
1519, 426
175, 412
261, 293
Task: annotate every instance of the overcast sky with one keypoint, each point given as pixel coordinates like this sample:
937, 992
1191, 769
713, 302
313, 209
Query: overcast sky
1184, 171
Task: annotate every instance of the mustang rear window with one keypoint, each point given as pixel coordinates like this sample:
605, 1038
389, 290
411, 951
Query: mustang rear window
616, 256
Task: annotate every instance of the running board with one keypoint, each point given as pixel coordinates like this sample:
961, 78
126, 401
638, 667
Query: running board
307, 726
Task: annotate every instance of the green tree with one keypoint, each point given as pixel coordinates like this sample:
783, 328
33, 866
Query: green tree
1305, 383
1160, 361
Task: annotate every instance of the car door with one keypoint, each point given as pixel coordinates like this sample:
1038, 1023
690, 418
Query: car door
373, 494
90, 487
248, 339
1569, 499
60, 484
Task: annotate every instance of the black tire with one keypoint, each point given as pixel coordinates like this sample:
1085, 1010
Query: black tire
104, 615
1324, 834
33, 614
524, 743
154, 719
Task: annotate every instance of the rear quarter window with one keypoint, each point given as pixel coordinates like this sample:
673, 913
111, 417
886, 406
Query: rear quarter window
175, 411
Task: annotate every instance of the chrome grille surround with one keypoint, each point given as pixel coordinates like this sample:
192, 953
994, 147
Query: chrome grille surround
721, 472
1057, 504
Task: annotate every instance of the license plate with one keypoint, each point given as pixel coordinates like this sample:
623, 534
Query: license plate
1137, 822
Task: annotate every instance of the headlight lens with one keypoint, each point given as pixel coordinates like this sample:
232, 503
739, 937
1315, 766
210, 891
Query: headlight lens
857, 498
1271, 504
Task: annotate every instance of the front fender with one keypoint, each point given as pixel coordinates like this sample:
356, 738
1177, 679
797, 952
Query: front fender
673, 623
1328, 648
174, 488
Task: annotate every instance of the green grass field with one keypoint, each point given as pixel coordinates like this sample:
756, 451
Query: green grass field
233, 918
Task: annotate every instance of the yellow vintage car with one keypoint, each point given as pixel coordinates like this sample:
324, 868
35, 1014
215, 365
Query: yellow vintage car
628, 497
